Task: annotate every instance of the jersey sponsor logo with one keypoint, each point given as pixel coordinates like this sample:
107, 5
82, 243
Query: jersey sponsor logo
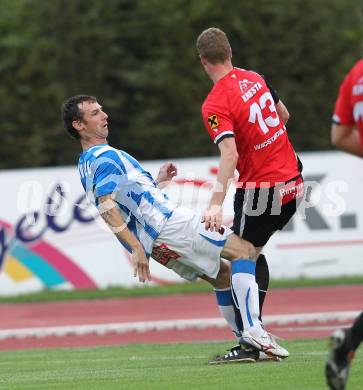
251, 91
163, 254
213, 121
272, 139
291, 190
85, 169
245, 85
358, 89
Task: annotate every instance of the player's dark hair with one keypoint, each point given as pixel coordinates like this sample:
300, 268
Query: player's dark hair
213, 45
71, 112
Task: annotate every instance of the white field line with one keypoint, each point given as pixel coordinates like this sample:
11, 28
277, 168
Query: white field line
195, 323
330, 328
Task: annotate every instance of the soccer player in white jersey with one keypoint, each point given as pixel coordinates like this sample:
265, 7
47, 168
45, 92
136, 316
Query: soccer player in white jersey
148, 224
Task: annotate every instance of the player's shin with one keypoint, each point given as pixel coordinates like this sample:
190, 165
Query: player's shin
262, 280
246, 290
229, 311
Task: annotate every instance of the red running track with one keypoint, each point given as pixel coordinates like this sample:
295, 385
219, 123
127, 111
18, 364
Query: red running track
278, 301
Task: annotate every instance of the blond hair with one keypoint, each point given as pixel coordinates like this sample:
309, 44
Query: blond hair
213, 45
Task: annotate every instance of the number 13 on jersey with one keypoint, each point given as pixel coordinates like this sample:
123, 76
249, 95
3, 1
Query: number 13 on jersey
265, 123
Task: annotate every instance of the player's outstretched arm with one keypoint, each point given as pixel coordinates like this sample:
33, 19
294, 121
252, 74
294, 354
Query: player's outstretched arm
346, 138
113, 218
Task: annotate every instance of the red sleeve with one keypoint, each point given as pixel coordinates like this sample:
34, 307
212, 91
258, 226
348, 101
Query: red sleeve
343, 110
217, 120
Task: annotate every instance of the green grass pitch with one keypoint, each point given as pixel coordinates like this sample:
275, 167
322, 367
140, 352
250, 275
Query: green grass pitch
167, 366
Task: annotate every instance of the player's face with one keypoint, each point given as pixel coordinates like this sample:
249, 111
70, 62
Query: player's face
94, 122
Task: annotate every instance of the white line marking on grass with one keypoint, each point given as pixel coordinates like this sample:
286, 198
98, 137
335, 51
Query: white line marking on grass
145, 326
167, 358
314, 353
312, 328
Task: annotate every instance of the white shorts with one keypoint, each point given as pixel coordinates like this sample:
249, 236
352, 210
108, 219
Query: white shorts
187, 248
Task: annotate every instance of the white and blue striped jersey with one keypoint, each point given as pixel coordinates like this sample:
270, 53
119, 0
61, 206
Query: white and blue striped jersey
145, 209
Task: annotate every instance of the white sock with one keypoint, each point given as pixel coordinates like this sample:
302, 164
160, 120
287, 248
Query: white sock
228, 310
246, 290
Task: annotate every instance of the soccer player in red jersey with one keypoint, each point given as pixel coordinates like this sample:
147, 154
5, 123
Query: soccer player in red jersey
347, 135
347, 127
246, 119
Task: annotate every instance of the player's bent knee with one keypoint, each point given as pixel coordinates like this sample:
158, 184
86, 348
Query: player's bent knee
225, 272
237, 248
249, 249
245, 249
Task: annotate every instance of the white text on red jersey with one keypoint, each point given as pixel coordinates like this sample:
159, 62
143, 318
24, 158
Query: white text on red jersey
252, 91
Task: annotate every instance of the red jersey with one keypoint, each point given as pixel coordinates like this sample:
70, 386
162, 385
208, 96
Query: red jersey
240, 105
349, 105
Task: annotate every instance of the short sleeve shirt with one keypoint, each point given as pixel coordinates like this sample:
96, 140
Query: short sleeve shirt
241, 105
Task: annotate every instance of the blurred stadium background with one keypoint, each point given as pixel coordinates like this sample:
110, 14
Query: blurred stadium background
139, 58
